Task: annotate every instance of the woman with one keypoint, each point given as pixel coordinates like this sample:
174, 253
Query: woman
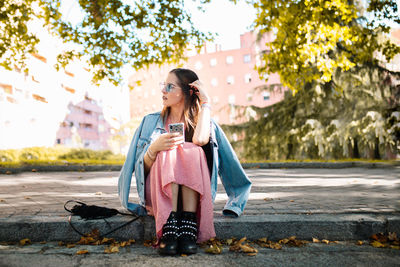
176, 175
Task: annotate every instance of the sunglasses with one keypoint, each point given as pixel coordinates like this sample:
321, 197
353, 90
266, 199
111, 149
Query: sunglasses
167, 86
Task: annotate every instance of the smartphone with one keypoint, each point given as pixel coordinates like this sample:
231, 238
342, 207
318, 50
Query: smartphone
177, 128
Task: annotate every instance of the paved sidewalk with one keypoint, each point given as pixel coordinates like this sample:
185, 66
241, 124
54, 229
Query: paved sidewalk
294, 199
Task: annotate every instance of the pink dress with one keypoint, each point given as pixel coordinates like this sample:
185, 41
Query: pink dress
185, 165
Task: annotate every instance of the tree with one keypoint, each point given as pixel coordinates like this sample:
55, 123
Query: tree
343, 101
111, 34
314, 38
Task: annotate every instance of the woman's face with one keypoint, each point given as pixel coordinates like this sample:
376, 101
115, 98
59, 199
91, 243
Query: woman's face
175, 96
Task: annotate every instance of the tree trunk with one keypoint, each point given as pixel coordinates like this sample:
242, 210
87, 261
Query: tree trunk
376, 150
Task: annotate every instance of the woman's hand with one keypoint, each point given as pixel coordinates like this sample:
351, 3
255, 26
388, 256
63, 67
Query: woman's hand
199, 91
166, 141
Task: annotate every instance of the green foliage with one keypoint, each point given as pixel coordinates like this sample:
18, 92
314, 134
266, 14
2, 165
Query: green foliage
357, 114
57, 155
89, 154
315, 38
111, 34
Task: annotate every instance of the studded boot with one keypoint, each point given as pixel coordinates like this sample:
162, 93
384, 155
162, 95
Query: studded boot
188, 233
169, 240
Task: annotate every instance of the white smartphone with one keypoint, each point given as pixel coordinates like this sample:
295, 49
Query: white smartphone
177, 128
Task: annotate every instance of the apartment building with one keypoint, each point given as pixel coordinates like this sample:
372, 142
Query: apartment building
48, 107
228, 76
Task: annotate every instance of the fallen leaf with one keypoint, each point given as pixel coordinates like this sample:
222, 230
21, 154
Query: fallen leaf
42, 242
183, 255
25, 241
251, 254
325, 241
392, 236
380, 237
264, 240
99, 193
292, 200
359, 242
315, 240
80, 252
8, 172
2, 200
115, 249
214, 249
71, 245
267, 199
60, 243
229, 241
26, 197
34, 170
377, 244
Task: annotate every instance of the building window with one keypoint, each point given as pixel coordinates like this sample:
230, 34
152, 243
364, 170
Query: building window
215, 99
214, 82
247, 58
69, 73
198, 65
213, 62
249, 97
39, 98
231, 99
230, 79
58, 141
7, 88
229, 60
266, 95
247, 78
41, 58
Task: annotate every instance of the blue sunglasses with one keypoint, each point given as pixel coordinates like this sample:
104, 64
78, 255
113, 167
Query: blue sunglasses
167, 86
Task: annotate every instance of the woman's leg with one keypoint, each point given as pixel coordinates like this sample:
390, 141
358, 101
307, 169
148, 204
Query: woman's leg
188, 228
190, 199
174, 200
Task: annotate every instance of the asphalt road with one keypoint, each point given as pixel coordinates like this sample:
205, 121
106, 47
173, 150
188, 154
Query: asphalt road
341, 254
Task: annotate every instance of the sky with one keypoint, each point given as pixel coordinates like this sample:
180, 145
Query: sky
221, 16
225, 18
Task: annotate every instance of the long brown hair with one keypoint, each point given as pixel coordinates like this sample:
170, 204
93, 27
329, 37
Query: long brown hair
192, 101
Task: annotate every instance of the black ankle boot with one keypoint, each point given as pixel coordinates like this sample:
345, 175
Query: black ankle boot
169, 239
188, 233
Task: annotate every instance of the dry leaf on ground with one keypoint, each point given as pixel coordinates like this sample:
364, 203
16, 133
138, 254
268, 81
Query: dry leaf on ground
214, 249
81, 252
25, 241
389, 239
315, 240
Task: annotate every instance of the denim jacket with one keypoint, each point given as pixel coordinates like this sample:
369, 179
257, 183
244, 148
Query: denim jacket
225, 164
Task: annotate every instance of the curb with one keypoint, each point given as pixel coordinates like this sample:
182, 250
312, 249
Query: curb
263, 165
273, 226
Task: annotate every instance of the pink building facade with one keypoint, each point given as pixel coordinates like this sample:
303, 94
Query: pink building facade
228, 76
84, 126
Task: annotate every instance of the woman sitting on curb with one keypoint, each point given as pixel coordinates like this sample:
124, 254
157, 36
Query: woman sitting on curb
176, 175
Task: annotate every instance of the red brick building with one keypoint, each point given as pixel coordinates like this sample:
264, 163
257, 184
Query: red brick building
228, 76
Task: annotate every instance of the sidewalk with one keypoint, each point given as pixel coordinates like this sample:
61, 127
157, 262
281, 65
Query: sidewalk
333, 204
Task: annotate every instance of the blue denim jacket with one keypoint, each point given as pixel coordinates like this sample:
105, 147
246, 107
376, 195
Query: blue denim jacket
225, 164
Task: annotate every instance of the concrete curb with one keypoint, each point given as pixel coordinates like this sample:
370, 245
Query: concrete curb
263, 165
272, 226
